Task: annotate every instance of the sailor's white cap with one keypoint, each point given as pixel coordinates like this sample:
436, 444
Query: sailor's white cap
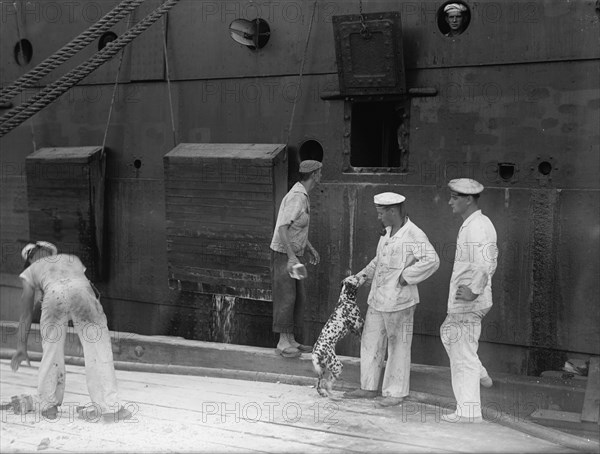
388, 198
42, 244
455, 7
465, 186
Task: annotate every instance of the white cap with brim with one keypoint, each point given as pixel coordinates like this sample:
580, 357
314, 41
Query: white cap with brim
388, 198
455, 7
465, 186
26, 250
42, 244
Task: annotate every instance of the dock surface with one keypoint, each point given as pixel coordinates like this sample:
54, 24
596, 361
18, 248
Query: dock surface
182, 413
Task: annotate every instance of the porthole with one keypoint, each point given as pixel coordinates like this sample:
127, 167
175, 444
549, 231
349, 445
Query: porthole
506, 170
545, 168
106, 38
453, 18
23, 52
253, 34
311, 149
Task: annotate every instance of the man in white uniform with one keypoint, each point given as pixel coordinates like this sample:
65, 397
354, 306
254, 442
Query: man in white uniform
469, 300
404, 258
66, 294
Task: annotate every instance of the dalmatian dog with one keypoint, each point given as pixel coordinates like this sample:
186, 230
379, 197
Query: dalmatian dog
345, 317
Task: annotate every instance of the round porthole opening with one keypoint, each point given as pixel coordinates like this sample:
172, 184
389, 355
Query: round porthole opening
311, 149
453, 18
106, 38
545, 168
23, 52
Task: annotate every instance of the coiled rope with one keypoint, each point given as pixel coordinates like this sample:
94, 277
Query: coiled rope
31, 77
17, 115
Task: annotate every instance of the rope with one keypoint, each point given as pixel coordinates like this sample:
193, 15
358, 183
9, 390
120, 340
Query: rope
16, 116
312, 17
112, 101
364, 32
169, 82
22, 51
30, 78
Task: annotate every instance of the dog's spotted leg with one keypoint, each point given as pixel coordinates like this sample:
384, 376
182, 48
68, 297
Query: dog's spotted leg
320, 370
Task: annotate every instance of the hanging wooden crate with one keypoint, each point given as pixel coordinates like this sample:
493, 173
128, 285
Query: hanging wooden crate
65, 196
221, 202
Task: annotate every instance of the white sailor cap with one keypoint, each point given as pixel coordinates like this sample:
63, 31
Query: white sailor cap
454, 7
465, 186
388, 198
42, 244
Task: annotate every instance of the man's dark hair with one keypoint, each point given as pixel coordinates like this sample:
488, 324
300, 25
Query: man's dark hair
29, 254
475, 196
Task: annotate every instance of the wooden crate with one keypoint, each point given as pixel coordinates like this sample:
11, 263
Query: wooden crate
65, 196
221, 208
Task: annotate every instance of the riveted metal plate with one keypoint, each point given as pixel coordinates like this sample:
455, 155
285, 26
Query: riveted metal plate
369, 53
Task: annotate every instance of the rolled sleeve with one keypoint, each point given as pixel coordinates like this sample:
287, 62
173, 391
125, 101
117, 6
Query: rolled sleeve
27, 277
293, 209
294, 212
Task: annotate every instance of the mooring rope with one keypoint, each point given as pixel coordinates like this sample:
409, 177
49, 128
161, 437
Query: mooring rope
114, 93
169, 82
312, 17
17, 115
62, 55
22, 51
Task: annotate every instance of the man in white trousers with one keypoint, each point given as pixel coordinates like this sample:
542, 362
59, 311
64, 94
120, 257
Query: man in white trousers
469, 300
404, 258
66, 294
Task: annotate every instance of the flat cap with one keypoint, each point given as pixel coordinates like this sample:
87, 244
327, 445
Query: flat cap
465, 186
42, 244
455, 7
309, 166
388, 198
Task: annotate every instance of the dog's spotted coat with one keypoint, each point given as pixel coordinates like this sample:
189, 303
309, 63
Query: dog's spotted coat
346, 317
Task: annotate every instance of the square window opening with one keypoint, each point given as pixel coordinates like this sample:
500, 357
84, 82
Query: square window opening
379, 136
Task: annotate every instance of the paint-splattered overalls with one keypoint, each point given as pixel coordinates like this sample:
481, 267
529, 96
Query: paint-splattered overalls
67, 294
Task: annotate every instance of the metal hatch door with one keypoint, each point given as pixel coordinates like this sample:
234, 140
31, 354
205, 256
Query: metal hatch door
369, 53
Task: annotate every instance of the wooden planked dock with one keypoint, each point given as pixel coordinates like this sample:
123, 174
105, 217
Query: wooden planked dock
175, 413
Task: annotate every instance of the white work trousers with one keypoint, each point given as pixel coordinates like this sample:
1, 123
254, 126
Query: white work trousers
74, 299
391, 331
460, 336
